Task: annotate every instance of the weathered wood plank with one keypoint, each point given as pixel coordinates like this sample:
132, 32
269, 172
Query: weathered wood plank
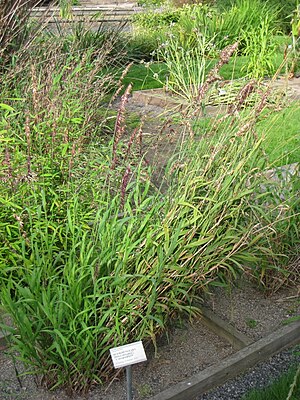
223, 329
130, 7
232, 366
103, 13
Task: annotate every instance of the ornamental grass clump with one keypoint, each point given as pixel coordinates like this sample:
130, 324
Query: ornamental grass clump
94, 264
17, 30
94, 255
58, 104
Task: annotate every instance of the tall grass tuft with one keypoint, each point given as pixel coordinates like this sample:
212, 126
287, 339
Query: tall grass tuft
87, 266
93, 254
16, 29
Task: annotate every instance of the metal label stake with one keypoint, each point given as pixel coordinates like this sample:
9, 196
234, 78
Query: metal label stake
129, 382
126, 356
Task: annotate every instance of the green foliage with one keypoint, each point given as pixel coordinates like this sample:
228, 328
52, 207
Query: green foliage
85, 268
150, 74
146, 75
245, 17
283, 11
251, 323
14, 27
282, 141
278, 389
195, 19
252, 23
152, 3
86, 273
154, 19
260, 49
142, 45
82, 36
229, 26
69, 304
66, 7
57, 117
293, 55
149, 29
187, 65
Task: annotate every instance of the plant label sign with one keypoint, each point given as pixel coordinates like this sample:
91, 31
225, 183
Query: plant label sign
128, 354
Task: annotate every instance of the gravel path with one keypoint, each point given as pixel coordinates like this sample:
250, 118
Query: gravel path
253, 313
257, 378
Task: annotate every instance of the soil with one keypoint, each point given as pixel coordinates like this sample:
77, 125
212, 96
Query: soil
188, 348
251, 312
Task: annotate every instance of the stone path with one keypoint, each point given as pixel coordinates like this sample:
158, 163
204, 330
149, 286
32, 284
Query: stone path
163, 99
292, 86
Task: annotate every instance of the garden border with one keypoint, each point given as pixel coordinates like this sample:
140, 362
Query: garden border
232, 366
224, 329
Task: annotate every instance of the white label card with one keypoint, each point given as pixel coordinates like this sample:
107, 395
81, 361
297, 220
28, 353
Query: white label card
128, 354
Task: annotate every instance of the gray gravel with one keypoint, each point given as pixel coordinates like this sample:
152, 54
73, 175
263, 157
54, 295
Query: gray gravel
257, 378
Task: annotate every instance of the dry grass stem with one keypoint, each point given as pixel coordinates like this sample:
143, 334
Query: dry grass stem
213, 75
120, 124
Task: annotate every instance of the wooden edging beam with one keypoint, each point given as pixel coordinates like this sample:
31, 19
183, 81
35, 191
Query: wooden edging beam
232, 366
87, 9
223, 329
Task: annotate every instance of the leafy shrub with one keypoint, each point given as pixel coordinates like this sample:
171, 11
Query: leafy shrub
151, 3
226, 27
155, 19
283, 12
149, 30
244, 16
243, 22
142, 46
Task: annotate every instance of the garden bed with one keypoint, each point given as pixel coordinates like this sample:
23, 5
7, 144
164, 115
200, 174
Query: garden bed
185, 351
188, 349
261, 314
111, 230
